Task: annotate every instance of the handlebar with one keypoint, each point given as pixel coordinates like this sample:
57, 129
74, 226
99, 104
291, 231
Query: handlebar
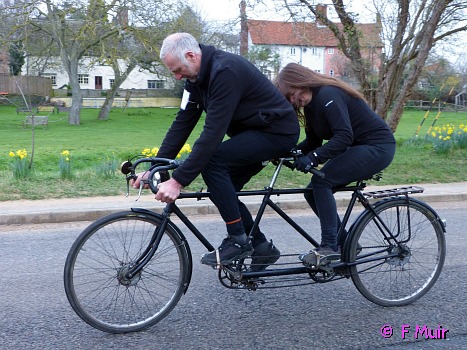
158, 171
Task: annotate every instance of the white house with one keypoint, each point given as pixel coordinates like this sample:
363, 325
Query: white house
312, 45
94, 76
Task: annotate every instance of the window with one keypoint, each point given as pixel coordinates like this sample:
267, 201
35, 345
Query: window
331, 73
83, 78
155, 84
52, 77
331, 51
292, 50
111, 82
314, 51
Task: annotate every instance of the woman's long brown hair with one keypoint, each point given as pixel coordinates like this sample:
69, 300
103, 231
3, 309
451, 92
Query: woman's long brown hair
294, 76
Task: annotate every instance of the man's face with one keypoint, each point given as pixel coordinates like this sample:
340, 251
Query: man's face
180, 70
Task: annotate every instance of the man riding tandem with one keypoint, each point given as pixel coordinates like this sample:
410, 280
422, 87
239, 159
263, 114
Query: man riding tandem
242, 103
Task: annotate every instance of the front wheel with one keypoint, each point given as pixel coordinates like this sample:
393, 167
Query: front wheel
399, 271
96, 282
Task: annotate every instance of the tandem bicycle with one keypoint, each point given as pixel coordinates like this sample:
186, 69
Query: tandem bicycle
128, 270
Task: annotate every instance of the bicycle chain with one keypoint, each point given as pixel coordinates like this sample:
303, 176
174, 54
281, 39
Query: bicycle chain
235, 281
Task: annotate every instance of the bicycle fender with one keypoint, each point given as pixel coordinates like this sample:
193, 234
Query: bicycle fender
179, 233
435, 214
376, 205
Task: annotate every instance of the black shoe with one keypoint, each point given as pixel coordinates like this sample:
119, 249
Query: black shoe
227, 252
265, 254
320, 256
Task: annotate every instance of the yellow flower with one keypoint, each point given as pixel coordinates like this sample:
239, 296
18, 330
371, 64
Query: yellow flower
186, 149
65, 153
11, 154
21, 153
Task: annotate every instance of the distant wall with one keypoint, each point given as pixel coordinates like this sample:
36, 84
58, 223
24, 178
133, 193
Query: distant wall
119, 102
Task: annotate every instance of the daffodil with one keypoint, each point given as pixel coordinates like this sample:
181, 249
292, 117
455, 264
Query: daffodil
19, 164
64, 165
449, 136
184, 152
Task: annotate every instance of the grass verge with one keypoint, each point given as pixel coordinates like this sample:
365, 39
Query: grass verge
96, 146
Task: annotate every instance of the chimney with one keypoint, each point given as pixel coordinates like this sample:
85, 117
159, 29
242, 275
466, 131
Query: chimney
243, 29
122, 16
321, 11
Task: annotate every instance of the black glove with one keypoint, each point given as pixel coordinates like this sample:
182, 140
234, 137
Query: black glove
305, 162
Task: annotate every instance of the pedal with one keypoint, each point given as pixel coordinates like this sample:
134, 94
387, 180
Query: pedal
237, 275
322, 274
253, 284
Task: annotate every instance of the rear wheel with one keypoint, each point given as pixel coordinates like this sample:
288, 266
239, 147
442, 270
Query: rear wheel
96, 282
391, 274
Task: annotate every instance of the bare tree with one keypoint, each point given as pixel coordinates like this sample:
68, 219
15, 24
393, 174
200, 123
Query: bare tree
76, 28
410, 30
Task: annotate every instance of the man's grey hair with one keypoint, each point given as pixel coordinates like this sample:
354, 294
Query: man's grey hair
177, 44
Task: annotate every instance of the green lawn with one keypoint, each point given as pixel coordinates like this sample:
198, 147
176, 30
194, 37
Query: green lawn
95, 144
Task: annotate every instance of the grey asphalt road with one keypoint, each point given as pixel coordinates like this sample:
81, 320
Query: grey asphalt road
35, 313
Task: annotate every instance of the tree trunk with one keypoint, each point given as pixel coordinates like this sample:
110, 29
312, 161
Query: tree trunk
425, 39
118, 81
107, 106
76, 100
71, 67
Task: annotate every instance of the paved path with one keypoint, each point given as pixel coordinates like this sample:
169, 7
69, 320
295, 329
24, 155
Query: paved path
91, 208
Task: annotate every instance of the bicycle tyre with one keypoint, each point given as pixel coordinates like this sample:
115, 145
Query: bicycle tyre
404, 279
96, 262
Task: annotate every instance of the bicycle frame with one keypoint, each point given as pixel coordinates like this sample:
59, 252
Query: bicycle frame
267, 193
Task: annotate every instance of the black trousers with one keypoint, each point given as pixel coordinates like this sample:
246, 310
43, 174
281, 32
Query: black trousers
235, 162
356, 163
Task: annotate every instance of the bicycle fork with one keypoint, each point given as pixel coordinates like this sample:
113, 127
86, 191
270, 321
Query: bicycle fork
150, 250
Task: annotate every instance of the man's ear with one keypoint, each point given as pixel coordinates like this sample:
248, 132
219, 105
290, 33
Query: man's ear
190, 56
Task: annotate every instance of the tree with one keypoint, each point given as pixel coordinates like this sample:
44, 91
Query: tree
264, 57
139, 46
16, 58
410, 30
76, 28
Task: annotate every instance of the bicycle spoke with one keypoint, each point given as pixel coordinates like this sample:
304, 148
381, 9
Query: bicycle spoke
96, 274
417, 254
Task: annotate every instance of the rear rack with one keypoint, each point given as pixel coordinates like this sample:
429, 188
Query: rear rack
394, 192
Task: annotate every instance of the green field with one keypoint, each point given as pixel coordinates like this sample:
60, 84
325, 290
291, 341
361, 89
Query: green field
95, 145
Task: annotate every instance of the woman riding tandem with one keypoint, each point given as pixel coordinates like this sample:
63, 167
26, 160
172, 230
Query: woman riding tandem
360, 144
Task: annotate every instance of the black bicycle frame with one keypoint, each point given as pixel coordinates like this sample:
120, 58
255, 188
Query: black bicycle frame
172, 208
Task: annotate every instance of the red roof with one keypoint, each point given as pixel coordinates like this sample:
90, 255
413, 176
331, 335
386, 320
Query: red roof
303, 33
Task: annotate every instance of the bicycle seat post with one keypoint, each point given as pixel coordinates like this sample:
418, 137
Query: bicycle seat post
276, 173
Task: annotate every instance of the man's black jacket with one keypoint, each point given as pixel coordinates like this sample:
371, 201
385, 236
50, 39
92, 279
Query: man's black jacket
236, 97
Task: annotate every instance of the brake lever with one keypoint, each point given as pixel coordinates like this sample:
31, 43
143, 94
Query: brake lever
128, 178
142, 183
